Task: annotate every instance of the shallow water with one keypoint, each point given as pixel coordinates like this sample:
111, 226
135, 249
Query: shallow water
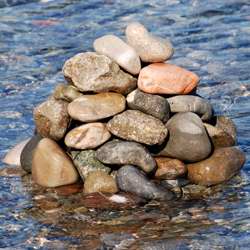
211, 38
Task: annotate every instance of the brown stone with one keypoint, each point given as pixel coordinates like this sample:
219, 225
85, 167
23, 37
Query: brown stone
66, 92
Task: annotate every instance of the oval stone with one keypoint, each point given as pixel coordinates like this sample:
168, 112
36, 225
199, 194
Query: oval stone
136, 126
87, 136
124, 152
66, 92
98, 73
221, 166
90, 108
163, 78
51, 167
115, 48
150, 48
227, 125
154, 105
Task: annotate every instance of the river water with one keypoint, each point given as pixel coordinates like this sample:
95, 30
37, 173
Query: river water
211, 38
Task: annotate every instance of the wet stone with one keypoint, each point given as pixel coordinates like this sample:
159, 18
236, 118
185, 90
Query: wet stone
66, 92
154, 105
98, 73
88, 109
69, 189
123, 153
227, 125
130, 179
189, 103
136, 126
51, 118
86, 162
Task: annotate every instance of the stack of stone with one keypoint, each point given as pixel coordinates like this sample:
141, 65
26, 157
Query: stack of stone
118, 132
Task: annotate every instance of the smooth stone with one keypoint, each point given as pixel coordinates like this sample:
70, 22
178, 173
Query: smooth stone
86, 162
28, 151
150, 48
15, 171
51, 118
13, 155
227, 125
131, 179
168, 168
188, 139
88, 109
165, 78
189, 103
221, 166
154, 105
66, 92
137, 126
87, 136
99, 181
116, 49
175, 183
125, 153
51, 167
98, 73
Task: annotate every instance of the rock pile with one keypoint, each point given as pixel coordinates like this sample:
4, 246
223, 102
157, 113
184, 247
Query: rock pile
118, 126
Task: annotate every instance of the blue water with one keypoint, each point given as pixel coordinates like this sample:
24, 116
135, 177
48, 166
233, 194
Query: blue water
211, 38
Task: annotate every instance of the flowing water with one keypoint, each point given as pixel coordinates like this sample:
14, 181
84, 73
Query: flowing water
211, 38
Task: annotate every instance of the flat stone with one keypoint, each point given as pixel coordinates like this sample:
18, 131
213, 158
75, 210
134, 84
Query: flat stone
131, 179
98, 73
51, 118
221, 166
150, 48
154, 105
123, 54
188, 139
51, 167
87, 136
99, 181
165, 78
86, 162
189, 103
28, 151
13, 155
136, 126
123, 152
88, 109
66, 92
169, 169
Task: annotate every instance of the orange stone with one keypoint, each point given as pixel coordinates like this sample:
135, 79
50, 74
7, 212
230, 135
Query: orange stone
165, 78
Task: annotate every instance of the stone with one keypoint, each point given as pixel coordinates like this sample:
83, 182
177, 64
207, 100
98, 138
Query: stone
99, 181
116, 49
51, 167
136, 126
87, 136
165, 78
86, 162
188, 139
189, 103
221, 166
169, 169
123, 153
98, 73
154, 105
150, 48
131, 179
66, 92
13, 156
51, 118
88, 109
227, 125
28, 151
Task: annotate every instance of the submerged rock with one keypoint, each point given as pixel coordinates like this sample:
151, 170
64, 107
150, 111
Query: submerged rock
137, 126
124, 152
221, 166
130, 179
66, 92
98, 73
150, 48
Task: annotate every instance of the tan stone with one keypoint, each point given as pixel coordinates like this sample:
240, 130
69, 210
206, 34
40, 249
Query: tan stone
163, 78
51, 167
87, 136
66, 92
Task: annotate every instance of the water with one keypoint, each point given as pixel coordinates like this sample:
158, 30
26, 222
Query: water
211, 38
